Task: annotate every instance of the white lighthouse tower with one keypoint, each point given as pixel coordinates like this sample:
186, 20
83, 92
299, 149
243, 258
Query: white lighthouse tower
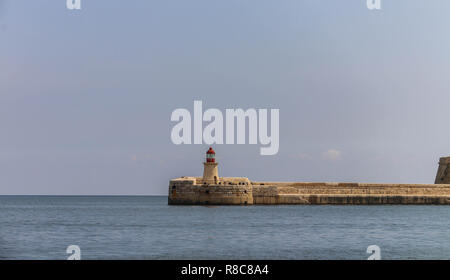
210, 171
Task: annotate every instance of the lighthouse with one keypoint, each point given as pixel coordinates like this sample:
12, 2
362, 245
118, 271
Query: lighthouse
210, 171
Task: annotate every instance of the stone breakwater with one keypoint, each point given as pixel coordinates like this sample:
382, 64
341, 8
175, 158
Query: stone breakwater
241, 191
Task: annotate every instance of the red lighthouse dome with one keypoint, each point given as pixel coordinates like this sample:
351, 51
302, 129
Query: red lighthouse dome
210, 155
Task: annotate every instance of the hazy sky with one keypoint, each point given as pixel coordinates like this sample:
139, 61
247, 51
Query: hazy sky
86, 96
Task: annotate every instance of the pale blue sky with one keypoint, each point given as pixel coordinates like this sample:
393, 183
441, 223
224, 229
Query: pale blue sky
86, 96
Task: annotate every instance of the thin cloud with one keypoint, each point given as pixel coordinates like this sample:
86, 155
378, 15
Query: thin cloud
332, 155
303, 156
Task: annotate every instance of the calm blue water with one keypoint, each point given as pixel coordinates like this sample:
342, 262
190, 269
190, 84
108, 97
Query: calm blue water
41, 227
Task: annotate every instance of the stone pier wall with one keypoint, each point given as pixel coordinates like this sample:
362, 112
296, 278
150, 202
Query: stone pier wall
240, 191
349, 193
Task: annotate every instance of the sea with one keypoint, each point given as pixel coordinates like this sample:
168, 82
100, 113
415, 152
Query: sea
146, 227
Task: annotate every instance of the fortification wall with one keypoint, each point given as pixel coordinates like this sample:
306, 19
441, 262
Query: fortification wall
443, 173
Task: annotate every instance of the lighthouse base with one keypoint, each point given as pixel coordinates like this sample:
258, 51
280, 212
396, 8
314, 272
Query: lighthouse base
227, 191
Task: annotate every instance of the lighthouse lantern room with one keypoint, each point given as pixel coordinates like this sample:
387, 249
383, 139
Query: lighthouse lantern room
210, 171
210, 155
